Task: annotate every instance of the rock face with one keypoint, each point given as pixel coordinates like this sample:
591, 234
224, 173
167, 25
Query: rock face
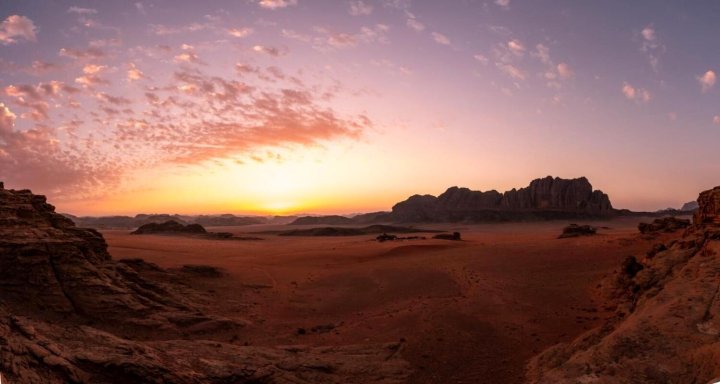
667, 322
708, 212
169, 227
68, 313
47, 264
665, 224
547, 198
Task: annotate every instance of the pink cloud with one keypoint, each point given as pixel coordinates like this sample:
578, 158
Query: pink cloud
276, 4
90, 53
35, 157
17, 27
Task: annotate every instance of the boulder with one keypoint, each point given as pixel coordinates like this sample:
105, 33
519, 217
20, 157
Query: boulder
574, 230
448, 236
665, 224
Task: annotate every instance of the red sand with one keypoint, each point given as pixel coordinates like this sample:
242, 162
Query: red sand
470, 311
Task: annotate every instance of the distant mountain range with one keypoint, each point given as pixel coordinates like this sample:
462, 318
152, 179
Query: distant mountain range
127, 222
543, 199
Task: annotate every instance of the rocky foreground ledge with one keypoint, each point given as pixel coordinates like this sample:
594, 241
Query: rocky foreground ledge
667, 324
68, 313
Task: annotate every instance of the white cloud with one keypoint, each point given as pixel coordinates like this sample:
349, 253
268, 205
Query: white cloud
15, 27
275, 4
82, 11
648, 33
416, 25
707, 80
239, 32
716, 119
440, 38
360, 8
651, 46
481, 58
503, 3
141, 8
272, 51
7, 119
516, 47
636, 94
511, 70
564, 71
542, 52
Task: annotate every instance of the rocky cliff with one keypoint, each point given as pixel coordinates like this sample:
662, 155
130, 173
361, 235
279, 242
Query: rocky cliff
545, 198
667, 325
70, 314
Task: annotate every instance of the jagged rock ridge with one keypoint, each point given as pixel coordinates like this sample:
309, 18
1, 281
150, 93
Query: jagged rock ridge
543, 198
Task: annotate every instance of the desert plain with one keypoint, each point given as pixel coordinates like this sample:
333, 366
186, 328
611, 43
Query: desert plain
467, 311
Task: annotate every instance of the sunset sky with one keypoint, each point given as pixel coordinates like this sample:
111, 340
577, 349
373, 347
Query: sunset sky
287, 106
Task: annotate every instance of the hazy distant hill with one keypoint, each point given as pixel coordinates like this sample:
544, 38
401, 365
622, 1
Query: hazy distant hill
127, 222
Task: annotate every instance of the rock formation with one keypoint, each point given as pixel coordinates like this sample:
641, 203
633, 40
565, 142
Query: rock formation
574, 230
665, 224
169, 227
548, 198
68, 313
667, 321
322, 220
448, 236
708, 212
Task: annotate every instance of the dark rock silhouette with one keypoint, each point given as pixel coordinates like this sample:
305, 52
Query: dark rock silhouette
547, 198
665, 224
385, 237
322, 220
448, 236
169, 227
574, 230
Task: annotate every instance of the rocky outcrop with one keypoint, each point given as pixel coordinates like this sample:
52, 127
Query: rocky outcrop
322, 220
665, 224
51, 267
574, 230
169, 227
708, 212
547, 198
69, 313
667, 321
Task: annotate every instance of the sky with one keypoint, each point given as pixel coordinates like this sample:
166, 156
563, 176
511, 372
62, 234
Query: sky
289, 106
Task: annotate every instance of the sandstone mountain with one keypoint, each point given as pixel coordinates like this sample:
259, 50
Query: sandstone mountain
667, 322
71, 314
547, 198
